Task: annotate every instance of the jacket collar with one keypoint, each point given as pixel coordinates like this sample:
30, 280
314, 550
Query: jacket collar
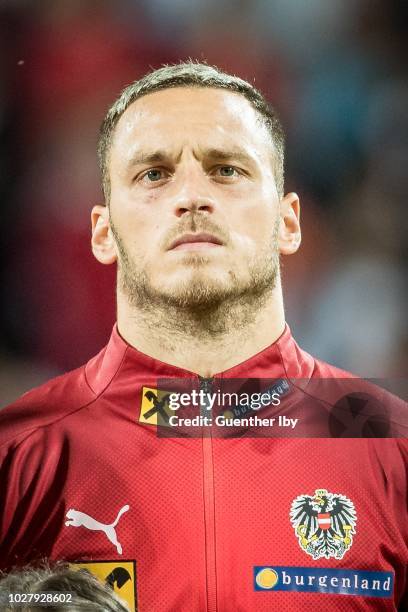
282, 359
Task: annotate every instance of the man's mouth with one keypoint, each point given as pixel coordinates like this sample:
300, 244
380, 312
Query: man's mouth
195, 242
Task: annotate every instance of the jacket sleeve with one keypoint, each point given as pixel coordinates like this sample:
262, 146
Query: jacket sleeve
32, 471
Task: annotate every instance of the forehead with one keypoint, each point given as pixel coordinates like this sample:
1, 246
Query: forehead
201, 117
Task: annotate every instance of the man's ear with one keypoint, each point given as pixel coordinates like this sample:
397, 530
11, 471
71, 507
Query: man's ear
289, 236
103, 244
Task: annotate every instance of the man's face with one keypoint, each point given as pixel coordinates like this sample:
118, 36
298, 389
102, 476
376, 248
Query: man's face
194, 207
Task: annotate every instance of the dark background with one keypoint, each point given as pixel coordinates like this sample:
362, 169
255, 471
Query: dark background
336, 71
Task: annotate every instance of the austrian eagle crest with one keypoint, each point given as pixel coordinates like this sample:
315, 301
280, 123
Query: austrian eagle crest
324, 523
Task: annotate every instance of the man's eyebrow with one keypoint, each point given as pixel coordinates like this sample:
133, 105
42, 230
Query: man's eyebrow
155, 157
235, 154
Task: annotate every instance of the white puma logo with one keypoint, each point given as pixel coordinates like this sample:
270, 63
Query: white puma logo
80, 519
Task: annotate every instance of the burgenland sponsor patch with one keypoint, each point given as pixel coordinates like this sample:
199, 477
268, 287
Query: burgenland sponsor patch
324, 580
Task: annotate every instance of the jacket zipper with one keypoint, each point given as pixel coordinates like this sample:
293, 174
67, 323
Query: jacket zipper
209, 508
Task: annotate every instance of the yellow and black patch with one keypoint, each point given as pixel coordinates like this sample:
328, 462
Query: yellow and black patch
120, 575
154, 406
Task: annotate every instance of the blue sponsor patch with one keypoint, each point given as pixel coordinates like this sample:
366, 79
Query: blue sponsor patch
323, 580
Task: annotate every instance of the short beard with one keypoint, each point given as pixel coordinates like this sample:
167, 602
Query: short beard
199, 307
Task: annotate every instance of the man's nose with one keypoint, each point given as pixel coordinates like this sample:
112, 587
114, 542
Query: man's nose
193, 194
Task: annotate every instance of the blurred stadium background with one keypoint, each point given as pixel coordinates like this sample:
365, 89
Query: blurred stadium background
336, 70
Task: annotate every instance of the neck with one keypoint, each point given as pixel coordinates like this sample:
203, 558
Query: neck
207, 341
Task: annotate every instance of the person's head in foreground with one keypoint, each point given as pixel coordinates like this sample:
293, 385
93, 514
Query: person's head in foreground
87, 593
195, 212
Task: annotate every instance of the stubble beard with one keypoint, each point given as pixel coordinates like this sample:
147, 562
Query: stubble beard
200, 305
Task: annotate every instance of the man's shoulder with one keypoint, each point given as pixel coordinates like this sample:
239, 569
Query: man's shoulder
45, 405
361, 402
322, 369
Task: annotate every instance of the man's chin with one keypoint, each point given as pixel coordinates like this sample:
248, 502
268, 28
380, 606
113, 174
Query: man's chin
195, 259
198, 287
198, 275
195, 295
206, 292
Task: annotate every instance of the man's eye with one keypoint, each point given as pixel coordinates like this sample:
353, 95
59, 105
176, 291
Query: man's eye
227, 171
154, 175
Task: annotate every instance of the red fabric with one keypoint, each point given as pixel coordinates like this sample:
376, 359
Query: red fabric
202, 512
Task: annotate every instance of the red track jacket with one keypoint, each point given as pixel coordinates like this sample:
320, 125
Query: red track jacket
228, 524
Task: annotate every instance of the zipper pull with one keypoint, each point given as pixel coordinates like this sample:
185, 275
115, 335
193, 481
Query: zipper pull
205, 385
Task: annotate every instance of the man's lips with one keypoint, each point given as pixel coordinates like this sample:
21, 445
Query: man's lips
195, 241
